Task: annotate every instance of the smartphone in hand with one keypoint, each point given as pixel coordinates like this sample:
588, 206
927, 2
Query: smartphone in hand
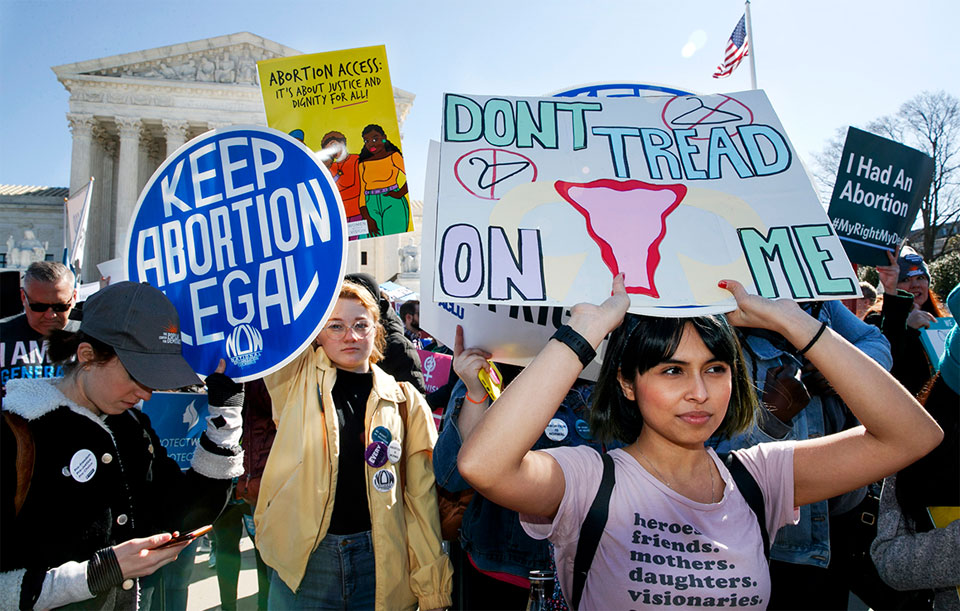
190, 536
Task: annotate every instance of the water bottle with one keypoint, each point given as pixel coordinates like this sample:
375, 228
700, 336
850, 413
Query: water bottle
541, 589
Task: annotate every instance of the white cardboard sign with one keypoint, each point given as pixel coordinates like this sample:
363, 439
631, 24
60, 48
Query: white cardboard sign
513, 334
542, 200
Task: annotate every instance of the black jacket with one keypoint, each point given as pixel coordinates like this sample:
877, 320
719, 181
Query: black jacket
400, 358
911, 366
95, 483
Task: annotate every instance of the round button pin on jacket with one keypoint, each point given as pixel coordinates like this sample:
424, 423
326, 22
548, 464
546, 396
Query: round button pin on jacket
376, 454
556, 430
381, 433
383, 480
583, 429
394, 451
83, 465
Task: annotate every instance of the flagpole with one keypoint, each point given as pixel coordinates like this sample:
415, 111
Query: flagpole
752, 49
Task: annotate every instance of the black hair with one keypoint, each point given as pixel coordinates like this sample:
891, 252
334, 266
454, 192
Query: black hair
387, 145
642, 342
62, 349
408, 307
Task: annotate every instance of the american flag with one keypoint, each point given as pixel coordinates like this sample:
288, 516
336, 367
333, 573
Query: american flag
737, 49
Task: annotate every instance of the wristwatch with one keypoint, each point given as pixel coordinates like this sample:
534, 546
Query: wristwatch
576, 342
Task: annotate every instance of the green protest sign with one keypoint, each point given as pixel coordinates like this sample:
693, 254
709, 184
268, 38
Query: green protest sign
879, 187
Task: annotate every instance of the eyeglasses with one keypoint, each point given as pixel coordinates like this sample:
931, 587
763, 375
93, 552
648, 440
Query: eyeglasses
36, 306
337, 330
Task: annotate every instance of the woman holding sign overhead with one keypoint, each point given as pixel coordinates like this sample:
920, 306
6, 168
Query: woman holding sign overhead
347, 513
679, 531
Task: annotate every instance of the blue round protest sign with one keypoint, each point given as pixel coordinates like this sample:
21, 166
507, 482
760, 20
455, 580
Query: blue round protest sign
618, 90
244, 231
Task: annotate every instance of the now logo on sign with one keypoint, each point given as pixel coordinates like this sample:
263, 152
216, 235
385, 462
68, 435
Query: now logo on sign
244, 231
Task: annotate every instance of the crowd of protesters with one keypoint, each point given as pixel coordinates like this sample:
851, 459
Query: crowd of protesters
732, 457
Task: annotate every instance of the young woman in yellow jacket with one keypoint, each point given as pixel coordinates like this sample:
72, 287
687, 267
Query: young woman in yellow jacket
348, 511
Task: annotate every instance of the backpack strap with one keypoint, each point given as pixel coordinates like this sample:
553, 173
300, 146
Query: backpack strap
26, 455
591, 529
750, 490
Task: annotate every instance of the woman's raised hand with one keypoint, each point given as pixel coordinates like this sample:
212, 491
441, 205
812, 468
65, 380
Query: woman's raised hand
595, 321
889, 274
759, 312
225, 405
467, 363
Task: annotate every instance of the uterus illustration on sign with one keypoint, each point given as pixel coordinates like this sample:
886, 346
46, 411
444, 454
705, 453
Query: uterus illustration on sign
629, 247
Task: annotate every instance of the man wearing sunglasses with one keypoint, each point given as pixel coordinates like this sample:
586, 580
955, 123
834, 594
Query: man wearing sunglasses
48, 295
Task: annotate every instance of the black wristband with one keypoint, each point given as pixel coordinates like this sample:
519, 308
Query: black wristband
576, 342
30, 587
207, 444
823, 327
103, 571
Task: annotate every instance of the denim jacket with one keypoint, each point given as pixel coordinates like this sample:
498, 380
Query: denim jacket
808, 542
491, 534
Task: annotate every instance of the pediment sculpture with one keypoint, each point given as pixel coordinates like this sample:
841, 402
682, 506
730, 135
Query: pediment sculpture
237, 64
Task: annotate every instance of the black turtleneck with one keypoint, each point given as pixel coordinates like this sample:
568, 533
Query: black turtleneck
350, 511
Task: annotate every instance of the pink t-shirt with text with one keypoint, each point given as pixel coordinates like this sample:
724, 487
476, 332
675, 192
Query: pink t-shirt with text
659, 548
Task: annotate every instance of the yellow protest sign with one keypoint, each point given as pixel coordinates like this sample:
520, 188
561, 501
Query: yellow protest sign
340, 104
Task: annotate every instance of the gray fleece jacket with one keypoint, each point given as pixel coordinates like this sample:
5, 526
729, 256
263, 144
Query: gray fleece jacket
908, 560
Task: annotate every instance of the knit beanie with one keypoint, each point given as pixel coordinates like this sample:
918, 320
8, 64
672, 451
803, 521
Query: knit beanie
370, 283
911, 264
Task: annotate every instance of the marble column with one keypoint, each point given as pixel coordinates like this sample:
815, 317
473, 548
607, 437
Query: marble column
100, 226
81, 125
156, 153
95, 236
127, 180
146, 161
111, 155
175, 133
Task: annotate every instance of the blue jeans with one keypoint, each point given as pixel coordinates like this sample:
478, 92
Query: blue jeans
340, 575
167, 587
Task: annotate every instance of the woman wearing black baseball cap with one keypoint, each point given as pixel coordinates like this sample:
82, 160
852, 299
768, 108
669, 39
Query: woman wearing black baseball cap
88, 491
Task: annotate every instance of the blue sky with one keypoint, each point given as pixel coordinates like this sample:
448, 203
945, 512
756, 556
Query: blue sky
824, 64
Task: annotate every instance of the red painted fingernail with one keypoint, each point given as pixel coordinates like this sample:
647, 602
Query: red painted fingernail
722, 284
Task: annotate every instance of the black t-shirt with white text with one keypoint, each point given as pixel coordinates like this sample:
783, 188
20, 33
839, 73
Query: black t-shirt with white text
23, 351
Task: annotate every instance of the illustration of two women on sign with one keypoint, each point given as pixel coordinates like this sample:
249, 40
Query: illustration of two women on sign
374, 202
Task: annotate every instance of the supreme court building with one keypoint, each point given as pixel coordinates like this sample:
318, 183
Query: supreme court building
129, 112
